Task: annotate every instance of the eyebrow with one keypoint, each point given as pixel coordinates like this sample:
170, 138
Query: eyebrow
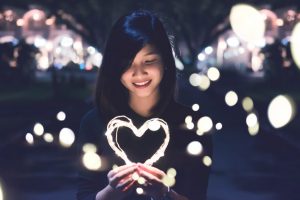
151, 53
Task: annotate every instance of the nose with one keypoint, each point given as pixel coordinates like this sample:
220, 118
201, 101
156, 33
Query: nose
138, 70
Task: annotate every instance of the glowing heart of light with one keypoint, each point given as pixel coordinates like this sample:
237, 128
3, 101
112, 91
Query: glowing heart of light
152, 124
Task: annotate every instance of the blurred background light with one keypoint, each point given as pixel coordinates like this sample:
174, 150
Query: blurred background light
194, 148
247, 104
207, 161
204, 82
89, 147
195, 107
29, 138
194, 79
251, 120
66, 137
61, 116
231, 98
253, 130
38, 129
281, 111
48, 137
247, 22
91, 161
295, 44
139, 190
204, 124
1, 192
219, 126
213, 73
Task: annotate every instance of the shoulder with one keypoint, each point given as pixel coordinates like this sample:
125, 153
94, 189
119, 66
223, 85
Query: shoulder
91, 125
91, 117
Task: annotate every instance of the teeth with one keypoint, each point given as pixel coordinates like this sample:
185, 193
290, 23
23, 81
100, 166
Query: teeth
142, 83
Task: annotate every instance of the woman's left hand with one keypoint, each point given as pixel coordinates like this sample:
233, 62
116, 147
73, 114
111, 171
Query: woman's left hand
154, 185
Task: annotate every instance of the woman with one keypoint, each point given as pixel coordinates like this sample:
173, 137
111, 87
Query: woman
137, 79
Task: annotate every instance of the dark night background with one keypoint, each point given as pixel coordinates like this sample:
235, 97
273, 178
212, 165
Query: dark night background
49, 52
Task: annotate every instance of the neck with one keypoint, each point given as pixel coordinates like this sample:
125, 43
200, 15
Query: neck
143, 106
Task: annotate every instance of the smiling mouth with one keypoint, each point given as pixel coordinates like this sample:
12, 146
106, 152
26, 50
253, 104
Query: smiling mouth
142, 84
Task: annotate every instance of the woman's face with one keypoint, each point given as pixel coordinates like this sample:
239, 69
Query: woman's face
145, 73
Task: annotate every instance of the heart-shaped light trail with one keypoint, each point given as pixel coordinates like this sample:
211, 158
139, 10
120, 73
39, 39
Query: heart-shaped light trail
152, 124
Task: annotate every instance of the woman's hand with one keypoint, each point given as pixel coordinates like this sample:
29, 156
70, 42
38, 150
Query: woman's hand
153, 186
120, 178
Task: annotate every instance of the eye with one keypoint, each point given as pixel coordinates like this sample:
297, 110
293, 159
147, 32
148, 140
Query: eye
149, 62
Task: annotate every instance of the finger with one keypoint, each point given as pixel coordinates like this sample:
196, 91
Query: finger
129, 186
127, 172
149, 176
154, 171
115, 171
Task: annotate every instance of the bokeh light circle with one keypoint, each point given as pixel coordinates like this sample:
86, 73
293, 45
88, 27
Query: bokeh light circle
91, 161
295, 44
213, 73
247, 23
66, 137
231, 98
281, 111
194, 148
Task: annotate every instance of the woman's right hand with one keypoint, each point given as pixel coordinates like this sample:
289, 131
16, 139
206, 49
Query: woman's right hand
120, 178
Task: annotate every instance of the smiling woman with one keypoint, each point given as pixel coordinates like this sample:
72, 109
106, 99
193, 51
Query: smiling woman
135, 88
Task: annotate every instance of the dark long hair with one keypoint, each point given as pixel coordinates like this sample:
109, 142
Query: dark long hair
127, 37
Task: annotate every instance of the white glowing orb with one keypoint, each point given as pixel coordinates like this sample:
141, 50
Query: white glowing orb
253, 130
194, 148
91, 161
135, 176
295, 44
139, 190
204, 124
66, 41
251, 120
208, 50
29, 138
169, 181
38, 129
207, 161
213, 73
195, 107
195, 79
141, 180
89, 147
66, 137
199, 132
247, 104
1, 193
154, 125
188, 119
171, 172
219, 126
91, 50
281, 111
233, 41
48, 137
40, 42
231, 98
201, 56
204, 82
190, 125
61, 116
247, 22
